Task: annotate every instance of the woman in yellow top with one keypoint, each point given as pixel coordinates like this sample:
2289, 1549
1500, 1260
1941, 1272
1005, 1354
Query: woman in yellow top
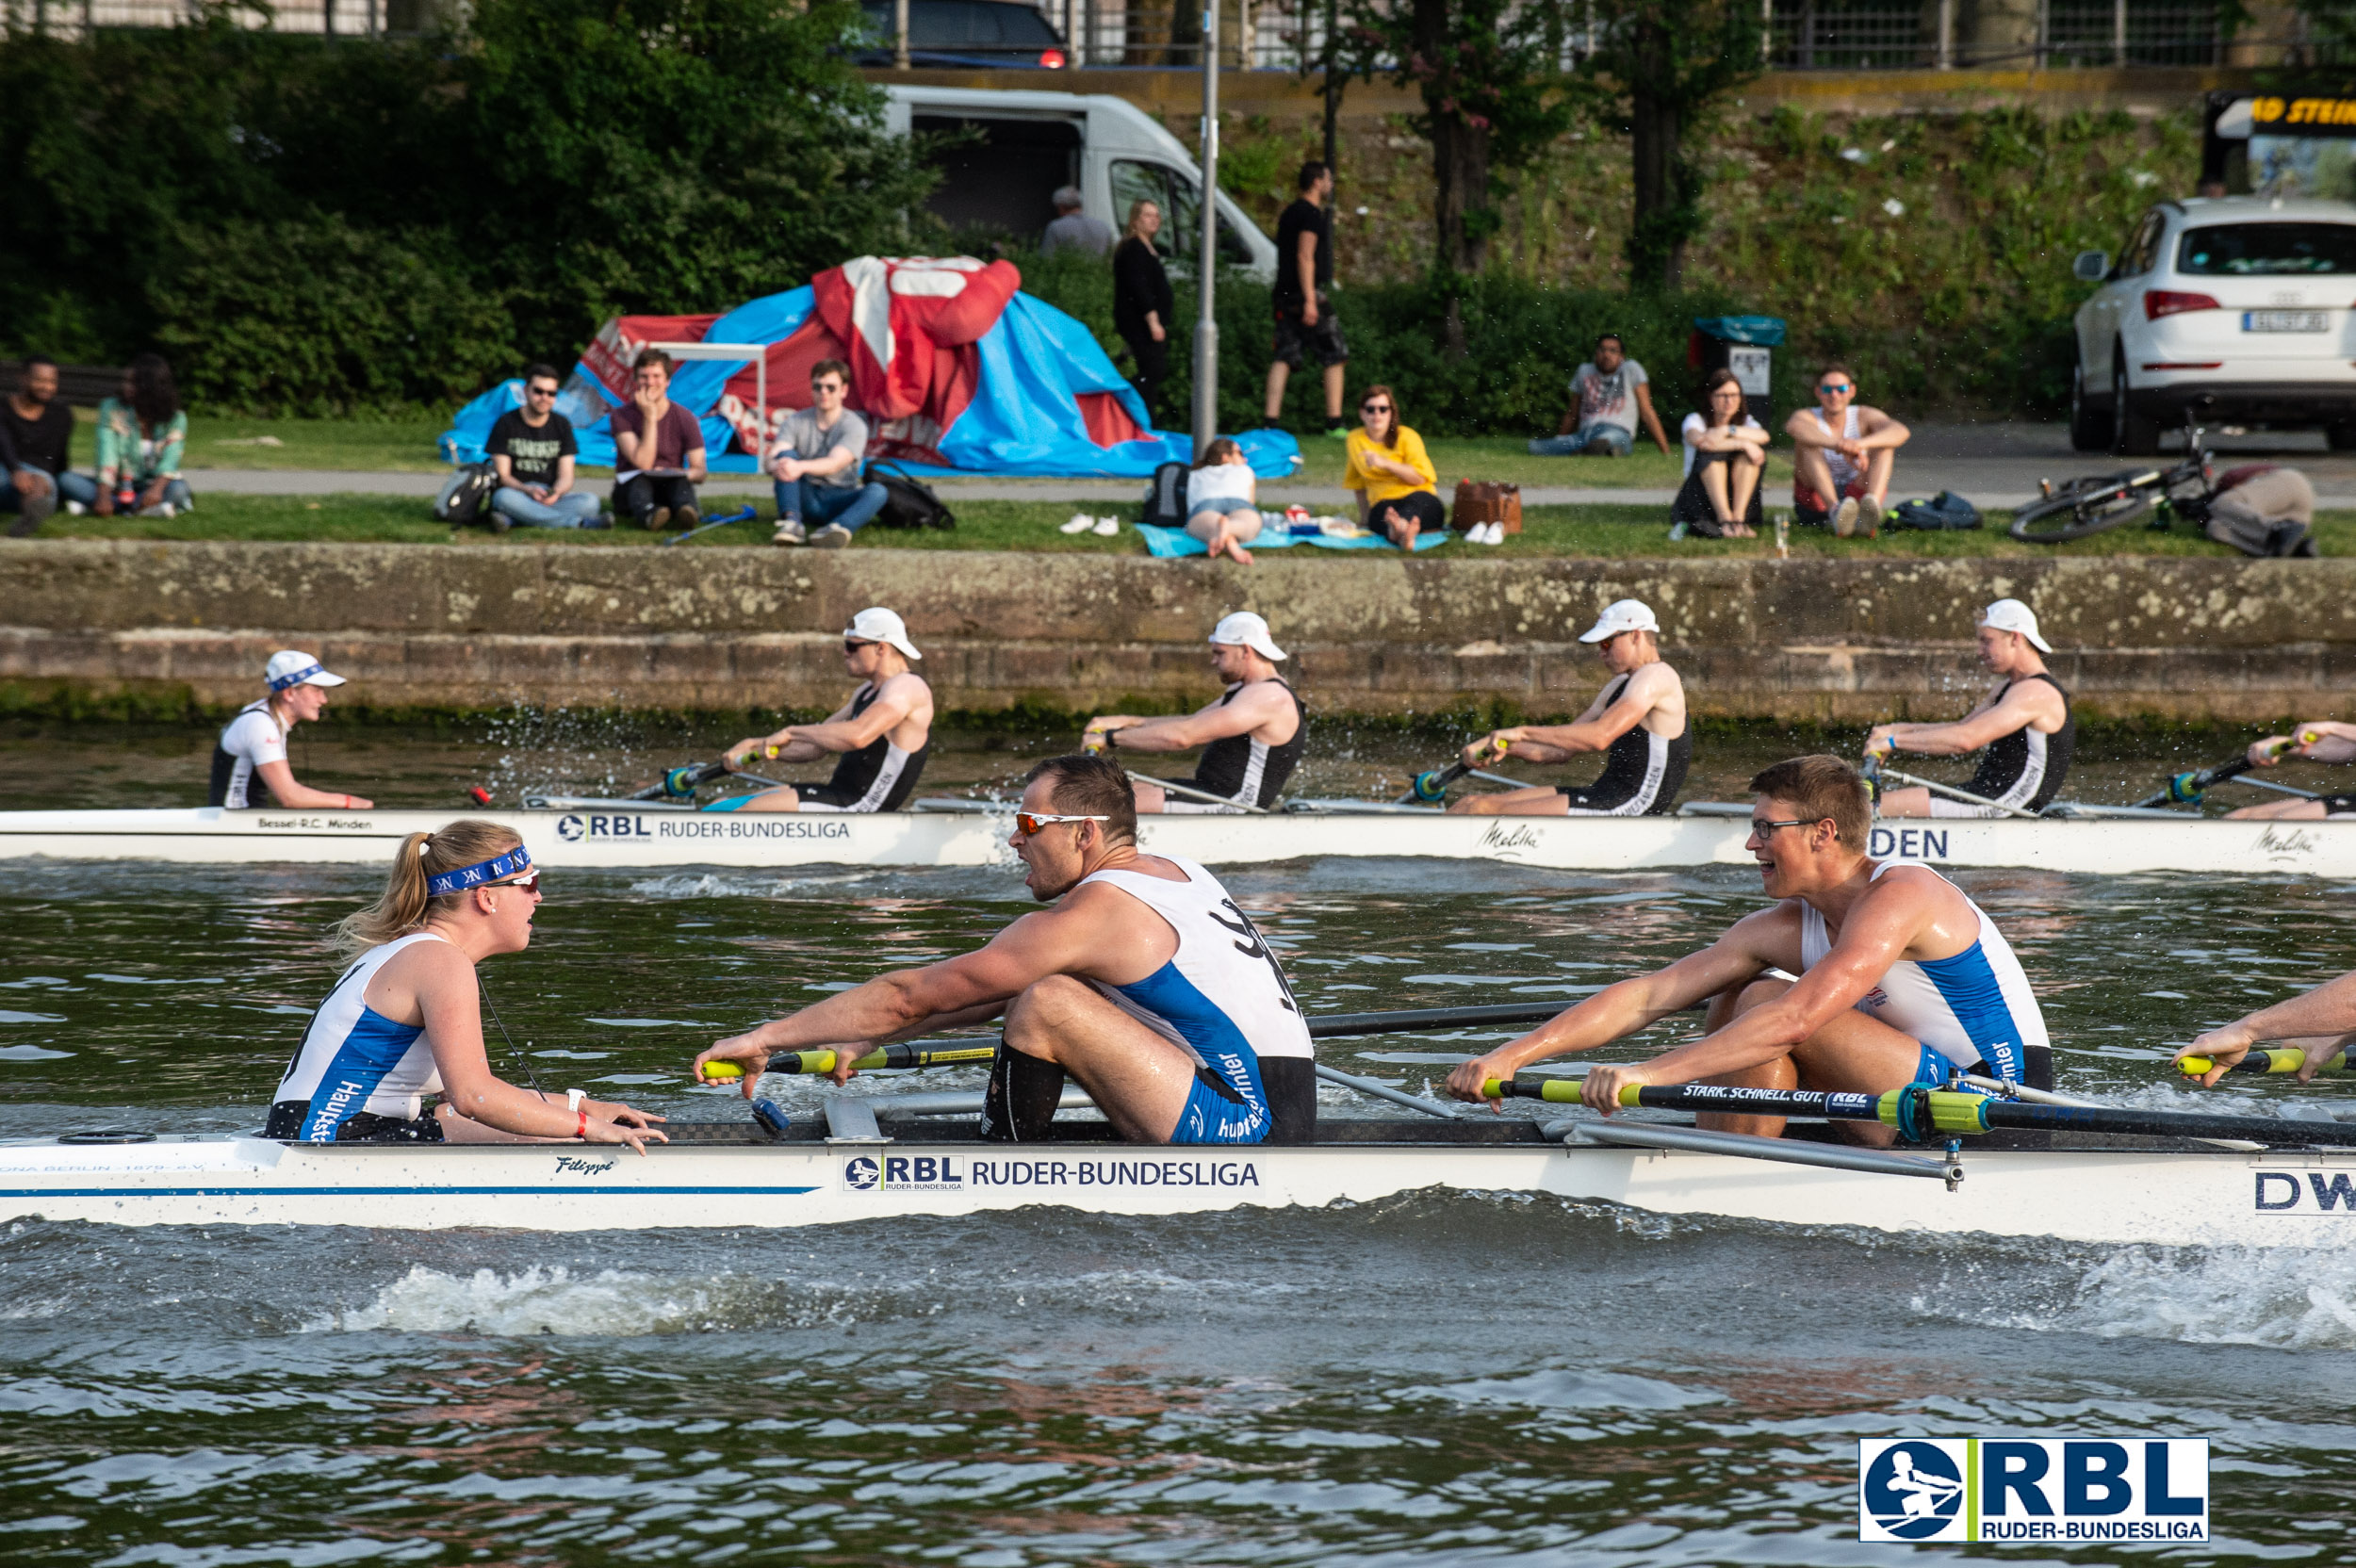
1398, 489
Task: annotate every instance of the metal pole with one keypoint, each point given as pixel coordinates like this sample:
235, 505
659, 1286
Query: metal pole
1946, 35
2119, 34
1206, 322
900, 35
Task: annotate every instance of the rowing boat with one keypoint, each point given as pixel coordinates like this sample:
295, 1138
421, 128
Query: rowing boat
637, 835
2162, 1193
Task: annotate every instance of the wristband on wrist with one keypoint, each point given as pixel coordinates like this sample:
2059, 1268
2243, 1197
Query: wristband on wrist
581, 1130
573, 1099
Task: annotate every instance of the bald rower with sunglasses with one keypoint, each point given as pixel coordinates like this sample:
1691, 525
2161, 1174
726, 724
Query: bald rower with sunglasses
1144, 981
1864, 976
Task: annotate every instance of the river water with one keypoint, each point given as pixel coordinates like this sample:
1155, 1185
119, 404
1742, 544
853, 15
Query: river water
1434, 1379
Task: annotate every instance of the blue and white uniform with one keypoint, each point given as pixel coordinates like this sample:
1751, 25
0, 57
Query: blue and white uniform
355, 1060
1973, 1007
1224, 998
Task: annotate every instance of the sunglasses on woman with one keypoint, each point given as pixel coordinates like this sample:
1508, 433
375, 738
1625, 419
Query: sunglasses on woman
529, 882
1374, 408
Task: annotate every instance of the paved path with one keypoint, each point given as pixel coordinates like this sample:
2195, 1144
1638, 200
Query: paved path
1997, 466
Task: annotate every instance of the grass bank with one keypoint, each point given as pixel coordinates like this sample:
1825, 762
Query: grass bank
1601, 531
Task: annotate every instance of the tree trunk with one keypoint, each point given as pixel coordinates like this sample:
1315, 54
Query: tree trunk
1460, 156
1656, 241
1333, 85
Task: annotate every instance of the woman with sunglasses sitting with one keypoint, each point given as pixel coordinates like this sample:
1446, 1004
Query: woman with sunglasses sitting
405, 1021
1398, 489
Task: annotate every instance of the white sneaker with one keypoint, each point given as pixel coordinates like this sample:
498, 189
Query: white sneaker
74, 509
1497, 534
1081, 522
1108, 526
1844, 519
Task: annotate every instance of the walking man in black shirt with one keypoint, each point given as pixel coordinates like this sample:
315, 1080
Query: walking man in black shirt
1305, 323
36, 444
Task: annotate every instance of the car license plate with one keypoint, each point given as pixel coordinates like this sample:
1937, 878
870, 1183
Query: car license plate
2285, 320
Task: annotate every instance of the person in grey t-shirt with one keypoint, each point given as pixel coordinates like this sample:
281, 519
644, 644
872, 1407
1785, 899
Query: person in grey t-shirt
1608, 393
1074, 230
816, 462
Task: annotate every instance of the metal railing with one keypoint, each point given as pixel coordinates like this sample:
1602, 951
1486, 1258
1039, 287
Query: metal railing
74, 18
1896, 35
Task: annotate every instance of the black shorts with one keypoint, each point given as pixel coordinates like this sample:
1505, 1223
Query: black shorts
1296, 341
1582, 799
2339, 805
288, 1115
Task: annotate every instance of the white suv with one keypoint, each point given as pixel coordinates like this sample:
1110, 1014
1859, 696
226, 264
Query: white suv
2234, 309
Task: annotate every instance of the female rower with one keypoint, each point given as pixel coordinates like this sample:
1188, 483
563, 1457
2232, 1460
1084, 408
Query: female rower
405, 1021
255, 744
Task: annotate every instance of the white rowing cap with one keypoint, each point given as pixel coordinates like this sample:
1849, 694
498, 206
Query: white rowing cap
2012, 615
882, 626
290, 668
1245, 630
1622, 616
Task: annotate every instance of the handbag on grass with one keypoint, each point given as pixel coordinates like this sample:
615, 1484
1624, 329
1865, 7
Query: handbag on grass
1480, 501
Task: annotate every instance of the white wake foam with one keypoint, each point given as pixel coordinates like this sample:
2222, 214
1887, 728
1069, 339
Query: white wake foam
2290, 1299
552, 1302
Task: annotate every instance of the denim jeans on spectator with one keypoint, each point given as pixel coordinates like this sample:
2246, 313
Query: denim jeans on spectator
637, 498
79, 487
572, 509
1576, 444
31, 510
816, 505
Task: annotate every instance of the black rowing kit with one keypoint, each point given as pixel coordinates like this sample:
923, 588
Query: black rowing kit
1642, 771
2024, 770
879, 777
1243, 770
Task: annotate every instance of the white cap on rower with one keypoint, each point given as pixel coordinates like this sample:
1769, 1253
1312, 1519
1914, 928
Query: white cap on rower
1622, 616
1245, 630
2012, 615
882, 626
296, 669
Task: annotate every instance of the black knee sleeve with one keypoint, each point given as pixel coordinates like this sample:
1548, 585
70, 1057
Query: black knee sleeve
1021, 1098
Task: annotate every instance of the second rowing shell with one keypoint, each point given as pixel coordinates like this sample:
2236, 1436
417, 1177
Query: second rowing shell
631, 837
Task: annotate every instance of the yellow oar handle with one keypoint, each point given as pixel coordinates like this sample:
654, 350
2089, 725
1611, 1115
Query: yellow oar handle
2279, 1059
1556, 1091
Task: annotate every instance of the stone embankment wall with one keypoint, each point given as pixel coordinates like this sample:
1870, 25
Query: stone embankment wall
437, 627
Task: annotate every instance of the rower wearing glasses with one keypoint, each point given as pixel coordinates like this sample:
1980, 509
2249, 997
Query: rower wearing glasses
2022, 729
1251, 737
881, 734
405, 1021
1145, 982
254, 746
1637, 721
1900, 978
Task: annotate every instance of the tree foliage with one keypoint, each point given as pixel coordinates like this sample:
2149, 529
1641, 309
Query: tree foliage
313, 227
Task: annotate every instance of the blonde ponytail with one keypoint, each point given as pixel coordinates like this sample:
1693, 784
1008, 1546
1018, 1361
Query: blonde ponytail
405, 905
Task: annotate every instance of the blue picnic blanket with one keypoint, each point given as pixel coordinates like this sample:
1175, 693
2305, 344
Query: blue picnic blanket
1177, 541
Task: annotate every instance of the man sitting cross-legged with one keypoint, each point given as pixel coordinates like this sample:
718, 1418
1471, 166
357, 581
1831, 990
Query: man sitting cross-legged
1900, 978
1145, 982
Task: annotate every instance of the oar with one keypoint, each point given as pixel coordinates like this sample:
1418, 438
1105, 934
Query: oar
2262, 1062
907, 1053
732, 518
2186, 789
1327, 1026
682, 781
1429, 788
1925, 1113
1949, 791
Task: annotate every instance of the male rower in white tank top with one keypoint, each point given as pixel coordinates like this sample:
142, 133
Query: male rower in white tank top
1145, 982
1902, 979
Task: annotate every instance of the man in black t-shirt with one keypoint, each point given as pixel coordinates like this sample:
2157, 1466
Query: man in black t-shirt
1305, 323
533, 449
36, 449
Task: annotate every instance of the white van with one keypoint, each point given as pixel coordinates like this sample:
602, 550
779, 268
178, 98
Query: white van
1031, 143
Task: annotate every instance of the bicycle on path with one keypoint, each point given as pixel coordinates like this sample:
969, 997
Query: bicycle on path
2083, 507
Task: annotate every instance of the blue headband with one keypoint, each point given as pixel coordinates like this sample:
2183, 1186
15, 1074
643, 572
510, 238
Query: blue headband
515, 860
279, 683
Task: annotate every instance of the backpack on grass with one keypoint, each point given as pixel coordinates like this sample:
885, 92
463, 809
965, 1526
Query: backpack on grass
1945, 510
465, 495
907, 502
1165, 498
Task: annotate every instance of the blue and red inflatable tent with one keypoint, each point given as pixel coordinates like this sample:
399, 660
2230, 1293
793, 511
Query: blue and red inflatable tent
956, 371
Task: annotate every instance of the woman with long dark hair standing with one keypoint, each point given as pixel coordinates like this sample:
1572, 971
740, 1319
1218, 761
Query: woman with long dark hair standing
142, 433
405, 1020
1143, 306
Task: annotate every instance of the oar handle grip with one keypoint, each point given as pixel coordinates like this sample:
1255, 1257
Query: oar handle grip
1555, 1091
2277, 1059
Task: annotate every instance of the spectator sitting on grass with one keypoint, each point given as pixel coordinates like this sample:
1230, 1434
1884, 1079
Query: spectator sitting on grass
1726, 455
1846, 453
1220, 497
1074, 230
816, 462
531, 449
36, 449
1397, 488
141, 435
1608, 393
658, 450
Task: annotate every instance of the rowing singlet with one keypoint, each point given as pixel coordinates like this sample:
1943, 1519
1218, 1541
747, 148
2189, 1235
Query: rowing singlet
1642, 771
1241, 769
1976, 1006
2026, 769
252, 739
1223, 997
879, 777
354, 1059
